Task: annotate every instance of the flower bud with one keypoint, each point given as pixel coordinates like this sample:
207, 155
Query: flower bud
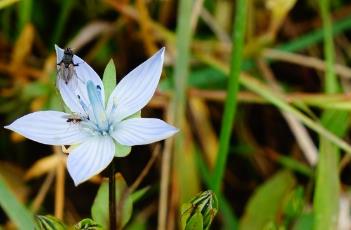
200, 211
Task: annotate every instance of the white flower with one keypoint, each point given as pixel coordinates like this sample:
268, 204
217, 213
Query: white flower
98, 129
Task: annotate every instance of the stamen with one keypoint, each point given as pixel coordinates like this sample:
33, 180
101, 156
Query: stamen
98, 89
84, 106
97, 106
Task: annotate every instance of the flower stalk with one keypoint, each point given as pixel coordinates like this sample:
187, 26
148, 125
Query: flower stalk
112, 195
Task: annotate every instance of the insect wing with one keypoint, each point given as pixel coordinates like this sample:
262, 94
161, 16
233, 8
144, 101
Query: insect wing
67, 76
73, 78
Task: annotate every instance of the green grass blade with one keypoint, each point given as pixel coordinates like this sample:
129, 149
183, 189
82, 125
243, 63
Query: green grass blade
181, 69
295, 165
261, 89
15, 210
184, 162
326, 198
233, 87
315, 36
277, 100
25, 13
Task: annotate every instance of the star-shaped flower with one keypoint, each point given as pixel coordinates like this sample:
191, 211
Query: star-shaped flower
98, 131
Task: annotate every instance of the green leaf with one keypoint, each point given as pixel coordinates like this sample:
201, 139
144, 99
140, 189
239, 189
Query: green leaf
100, 208
266, 203
294, 205
135, 115
138, 223
305, 222
87, 224
270, 226
22, 218
185, 210
109, 79
195, 222
49, 222
123, 150
137, 195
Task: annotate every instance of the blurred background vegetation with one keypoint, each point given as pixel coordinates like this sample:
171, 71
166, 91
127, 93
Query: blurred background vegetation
276, 151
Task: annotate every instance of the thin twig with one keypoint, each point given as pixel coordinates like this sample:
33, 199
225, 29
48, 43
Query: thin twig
299, 131
39, 198
146, 169
197, 7
145, 27
303, 60
135, 184
217, 30
165, 177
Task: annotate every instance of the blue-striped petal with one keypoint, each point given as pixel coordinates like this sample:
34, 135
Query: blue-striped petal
142, 131
136, 89
90, 158
49, 127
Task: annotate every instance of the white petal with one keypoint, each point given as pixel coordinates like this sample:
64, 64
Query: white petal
84, 73
141, 131
59, 54
70, 98
49, 127
90, 158
136, 89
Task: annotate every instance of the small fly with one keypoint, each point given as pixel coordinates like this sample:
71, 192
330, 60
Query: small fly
74, 119
66, 70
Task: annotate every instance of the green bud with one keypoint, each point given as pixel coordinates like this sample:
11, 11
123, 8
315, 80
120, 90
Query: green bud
87, 224
49, 222
200, 211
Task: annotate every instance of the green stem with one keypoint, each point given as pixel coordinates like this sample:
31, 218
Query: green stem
233, 87
331, 83
112, 196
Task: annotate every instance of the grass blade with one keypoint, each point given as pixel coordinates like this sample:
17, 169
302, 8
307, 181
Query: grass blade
184, 165
233, 87
25, 12
15, 210
277, 100
326, 199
